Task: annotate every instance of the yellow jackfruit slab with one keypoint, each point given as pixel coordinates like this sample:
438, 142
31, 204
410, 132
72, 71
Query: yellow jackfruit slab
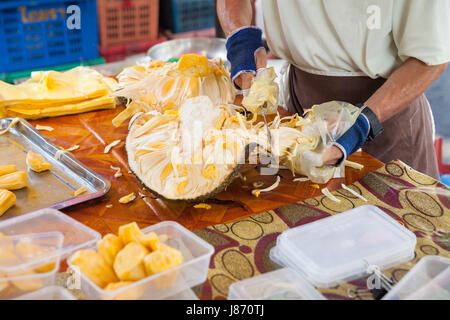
37, 162
26, 284
149, 240
50, 86
7, 169
129, 294
130, 233
128, 264
101, 103
93, 266
14, 181
7, 200
109, 247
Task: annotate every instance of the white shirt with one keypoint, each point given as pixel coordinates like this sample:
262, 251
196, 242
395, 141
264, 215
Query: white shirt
357, 37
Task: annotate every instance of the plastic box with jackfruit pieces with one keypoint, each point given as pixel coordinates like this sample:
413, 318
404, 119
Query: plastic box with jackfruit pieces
191, 272
28, 262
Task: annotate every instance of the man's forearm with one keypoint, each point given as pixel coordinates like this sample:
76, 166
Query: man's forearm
234, 14
405, 84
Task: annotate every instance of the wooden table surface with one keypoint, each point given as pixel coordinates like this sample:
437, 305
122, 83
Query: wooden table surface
93, 131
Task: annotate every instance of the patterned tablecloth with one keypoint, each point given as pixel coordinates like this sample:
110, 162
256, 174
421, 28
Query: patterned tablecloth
416, 201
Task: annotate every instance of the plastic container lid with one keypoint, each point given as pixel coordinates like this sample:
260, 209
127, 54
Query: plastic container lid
23, 253
429, 279
283, 284
76, 235
340, 248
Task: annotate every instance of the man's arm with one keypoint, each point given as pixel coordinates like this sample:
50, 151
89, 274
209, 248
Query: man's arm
235, 14
405, 84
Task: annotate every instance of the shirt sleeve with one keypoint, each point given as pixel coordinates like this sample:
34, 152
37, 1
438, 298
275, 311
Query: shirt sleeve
421, 29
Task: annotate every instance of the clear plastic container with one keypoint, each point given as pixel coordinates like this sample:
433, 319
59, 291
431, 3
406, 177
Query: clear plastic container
283, 284
193, 271
49, 293
184, 295
76, 235
28, 262
429, 279
339, 248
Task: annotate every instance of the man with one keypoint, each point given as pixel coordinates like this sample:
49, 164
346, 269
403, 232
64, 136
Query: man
378, 54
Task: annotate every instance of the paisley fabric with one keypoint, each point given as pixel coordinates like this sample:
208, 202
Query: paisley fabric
416, 201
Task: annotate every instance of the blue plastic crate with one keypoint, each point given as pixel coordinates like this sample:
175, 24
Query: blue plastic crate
187, 15
34, 34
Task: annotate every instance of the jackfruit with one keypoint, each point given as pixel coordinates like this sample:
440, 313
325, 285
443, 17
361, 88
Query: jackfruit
26, 284
129, 294
130, 233
14, 181
7, 200
199, 160
162, 259
4, 284
6, 242
27, 251
149, 240
128, 264
7, 169
108, 247
37, 162
93, 266
160, 86
8, 258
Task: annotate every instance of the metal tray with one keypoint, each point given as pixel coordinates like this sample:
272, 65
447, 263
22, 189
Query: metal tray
49, 189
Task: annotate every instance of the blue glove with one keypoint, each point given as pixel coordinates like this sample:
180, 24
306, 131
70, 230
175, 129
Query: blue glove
242, 46
354, 138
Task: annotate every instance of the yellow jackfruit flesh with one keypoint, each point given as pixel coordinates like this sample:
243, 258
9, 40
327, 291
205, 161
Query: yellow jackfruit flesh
108, 247
27, 251
130, 233
7, 200
149, 240
52, 93
128, 294
26, 284
7, 169
14, 181
3, 284
93, 266
37, 162
161, 86
128, 264
162, 259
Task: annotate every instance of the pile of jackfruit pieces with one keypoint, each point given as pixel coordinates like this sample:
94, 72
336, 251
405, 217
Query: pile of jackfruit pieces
131, 256
53, 93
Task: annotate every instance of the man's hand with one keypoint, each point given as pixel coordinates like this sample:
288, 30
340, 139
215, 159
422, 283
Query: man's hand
245, 49
353, 139
245, 80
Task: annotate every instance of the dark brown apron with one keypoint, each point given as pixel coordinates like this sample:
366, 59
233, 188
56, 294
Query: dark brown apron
408, 136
